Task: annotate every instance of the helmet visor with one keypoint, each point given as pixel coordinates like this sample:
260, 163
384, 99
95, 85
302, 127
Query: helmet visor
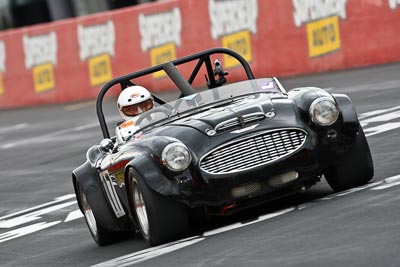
138, 108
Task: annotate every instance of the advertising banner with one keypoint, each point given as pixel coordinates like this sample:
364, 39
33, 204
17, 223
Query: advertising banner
71, 60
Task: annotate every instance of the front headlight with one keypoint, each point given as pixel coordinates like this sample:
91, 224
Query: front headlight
323, 111
176, 156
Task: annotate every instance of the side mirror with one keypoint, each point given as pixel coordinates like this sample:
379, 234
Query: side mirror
106, 145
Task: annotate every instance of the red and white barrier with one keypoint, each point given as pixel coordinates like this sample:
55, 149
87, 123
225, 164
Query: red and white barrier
70, 60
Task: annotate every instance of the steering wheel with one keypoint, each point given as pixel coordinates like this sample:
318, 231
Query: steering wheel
147, 114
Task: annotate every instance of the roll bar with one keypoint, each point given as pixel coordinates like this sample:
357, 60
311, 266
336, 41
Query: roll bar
173, 73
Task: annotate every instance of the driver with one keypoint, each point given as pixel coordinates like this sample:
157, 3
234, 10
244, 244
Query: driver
132, 102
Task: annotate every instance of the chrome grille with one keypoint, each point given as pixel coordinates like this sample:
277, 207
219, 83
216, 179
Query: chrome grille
253, 151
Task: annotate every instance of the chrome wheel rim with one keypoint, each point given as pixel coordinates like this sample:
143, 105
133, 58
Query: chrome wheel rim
140, 208
89, 216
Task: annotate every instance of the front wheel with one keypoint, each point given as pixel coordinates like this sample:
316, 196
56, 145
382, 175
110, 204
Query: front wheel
160, 219
356, 167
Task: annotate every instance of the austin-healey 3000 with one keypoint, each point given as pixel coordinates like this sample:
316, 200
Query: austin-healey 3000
215, 149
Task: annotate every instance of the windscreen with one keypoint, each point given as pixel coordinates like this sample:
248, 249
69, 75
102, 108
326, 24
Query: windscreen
206, 99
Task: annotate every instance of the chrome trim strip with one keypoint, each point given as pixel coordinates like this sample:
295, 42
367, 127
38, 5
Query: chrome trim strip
112, 194
281, 88
251, 158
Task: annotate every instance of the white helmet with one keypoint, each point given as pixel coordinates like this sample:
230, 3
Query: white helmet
133, 101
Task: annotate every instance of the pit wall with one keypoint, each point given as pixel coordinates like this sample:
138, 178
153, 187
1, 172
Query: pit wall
70, 60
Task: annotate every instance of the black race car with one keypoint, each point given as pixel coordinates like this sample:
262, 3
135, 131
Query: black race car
215, 150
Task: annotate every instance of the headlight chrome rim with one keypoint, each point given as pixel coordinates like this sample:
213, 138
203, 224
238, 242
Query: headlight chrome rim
172, 162
314, 106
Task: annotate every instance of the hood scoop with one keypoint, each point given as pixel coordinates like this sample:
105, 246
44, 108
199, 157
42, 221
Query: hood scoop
231, 117
240, 120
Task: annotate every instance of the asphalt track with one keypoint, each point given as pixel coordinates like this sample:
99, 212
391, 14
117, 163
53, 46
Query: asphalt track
40, 225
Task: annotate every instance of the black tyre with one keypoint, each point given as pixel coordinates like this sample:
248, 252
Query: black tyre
101, 235
355, 169
159, 218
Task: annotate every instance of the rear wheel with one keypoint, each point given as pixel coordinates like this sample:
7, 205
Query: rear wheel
159, 218
355, 169
101, 235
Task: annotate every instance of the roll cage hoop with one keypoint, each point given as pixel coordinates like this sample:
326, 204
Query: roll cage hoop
173, 73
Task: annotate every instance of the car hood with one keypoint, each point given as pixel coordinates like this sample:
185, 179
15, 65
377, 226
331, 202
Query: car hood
196, 131
238, 113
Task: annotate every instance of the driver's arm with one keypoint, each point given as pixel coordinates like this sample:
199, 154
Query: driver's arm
125, 130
